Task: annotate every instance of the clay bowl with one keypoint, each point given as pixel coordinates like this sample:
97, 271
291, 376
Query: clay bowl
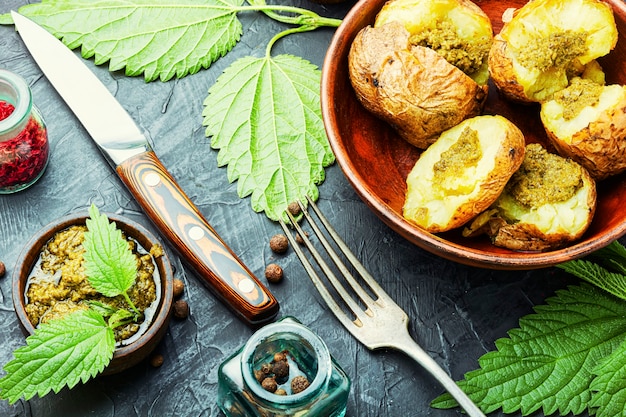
376, 161
124, 356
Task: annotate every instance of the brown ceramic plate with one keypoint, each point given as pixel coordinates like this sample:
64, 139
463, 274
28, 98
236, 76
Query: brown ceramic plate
376, 161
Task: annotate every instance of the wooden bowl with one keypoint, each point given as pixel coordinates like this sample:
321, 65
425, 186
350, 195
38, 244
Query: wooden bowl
124, 356
376, 161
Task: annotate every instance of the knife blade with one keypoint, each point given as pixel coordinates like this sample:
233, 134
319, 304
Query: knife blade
129, 153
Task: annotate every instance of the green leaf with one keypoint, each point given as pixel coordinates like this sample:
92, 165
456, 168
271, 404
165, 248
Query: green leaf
609, 388
120, 318
264, 116
105, 310
159, 38
548, 362
59, 353
109, 262
611, 282
613, 257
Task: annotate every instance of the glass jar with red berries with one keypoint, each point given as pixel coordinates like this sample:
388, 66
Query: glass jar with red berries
24, 145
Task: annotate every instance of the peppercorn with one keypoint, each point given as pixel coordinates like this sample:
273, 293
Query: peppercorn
294, 208
280, 356
299, 238
156, 360
179, 287
181, 309
259, 375
3, 269
279, 243
280, 391
266, 368
274, 273
299, 384
269, 384
280, 369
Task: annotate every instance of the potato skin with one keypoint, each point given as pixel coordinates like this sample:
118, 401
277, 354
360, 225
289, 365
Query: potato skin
503, 74
528, 237
412, 88
438, 206
599, 146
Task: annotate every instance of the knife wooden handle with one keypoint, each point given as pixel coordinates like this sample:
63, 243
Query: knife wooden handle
198, 244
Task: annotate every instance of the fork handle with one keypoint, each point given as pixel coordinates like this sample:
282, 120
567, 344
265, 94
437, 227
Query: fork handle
415, 352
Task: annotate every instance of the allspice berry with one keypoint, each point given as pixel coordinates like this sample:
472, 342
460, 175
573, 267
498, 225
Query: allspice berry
279, 243
274, 273
299, 384
269, 384
299, 238
156, 360
3, 269
181, 309
280, 369
179, 287
294, 208
259, 375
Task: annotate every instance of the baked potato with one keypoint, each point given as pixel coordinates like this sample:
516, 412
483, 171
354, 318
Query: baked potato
462, 173
546, 43
587, 122
458, 30
413, 88
548, 203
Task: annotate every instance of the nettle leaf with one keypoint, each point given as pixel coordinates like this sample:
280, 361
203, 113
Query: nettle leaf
264, 116
609, 388
549, 361
110, 264
611, 278
59, 353
159, 38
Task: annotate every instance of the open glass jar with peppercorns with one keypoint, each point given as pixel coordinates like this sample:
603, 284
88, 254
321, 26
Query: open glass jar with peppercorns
283, 370
24, 146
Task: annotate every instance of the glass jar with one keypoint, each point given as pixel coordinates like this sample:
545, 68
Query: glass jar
24, 146
240, 393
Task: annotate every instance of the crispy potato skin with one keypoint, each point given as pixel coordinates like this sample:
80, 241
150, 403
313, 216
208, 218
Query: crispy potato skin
414, 89
438, 207
528, 237
503, 74
600, 146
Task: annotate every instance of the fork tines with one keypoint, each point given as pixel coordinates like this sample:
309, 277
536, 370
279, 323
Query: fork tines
378, 295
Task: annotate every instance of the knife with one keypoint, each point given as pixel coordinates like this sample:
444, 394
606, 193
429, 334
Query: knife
127, 150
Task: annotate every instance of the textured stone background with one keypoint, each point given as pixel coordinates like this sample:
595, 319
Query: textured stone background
456, 312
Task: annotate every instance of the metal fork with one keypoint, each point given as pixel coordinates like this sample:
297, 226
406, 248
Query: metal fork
371, 325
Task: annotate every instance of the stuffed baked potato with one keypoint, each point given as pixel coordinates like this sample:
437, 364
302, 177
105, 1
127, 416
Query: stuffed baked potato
412, 88
546, 43
548, 203
458, 30
462, 173
422, 67
587, 122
